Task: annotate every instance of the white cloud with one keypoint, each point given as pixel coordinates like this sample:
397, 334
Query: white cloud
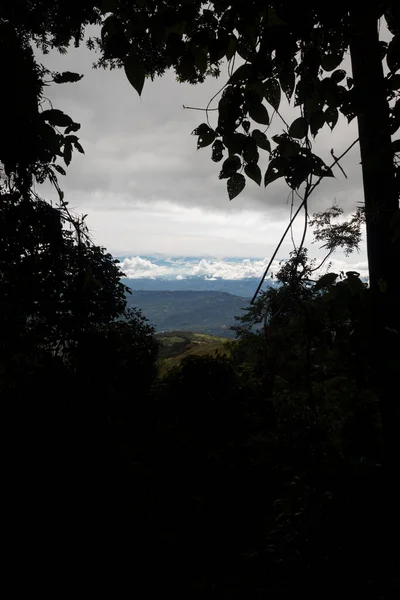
136, 267
147, 189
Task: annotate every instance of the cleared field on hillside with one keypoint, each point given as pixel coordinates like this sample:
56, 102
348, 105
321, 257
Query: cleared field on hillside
176, 345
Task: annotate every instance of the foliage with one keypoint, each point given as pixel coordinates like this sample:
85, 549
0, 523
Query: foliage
33, 138
281, 51
53, 285
345, 235
229, 477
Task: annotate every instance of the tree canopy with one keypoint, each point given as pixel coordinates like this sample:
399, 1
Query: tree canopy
268, 51
229, 477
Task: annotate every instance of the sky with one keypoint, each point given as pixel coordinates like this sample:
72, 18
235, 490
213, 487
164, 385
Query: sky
148, 191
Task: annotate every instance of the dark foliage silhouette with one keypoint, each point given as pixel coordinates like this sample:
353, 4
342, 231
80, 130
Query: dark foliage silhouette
269, 472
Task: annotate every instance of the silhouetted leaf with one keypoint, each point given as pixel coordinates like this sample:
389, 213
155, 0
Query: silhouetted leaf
261, 140
242, 73
230, 106
338, 76
246, 125
354, 282
230, 166
273, 19
114, 40
201, 60
326, 281
298, 169
60, 169
217, 151
79, 147
393, 54
287, 80
250, 150
306, 92
231, 47
253, 171
394, 118
205, 134
257, 87
317, 121
331, 117
217, 49
135, 73
108, 6
394, 82
245, 49
272, 93
235, 185
319, 168
56, 118
235, 142
276, 169
67, 153
350, 82
286, 146
259, 113
73, 127
298, 128
334, 93
331, 60
66, 77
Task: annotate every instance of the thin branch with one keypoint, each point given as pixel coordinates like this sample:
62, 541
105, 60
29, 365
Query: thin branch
310, 191
323, 261
270, 121
213, 98
303, 238
196, 108
231, 65
282, 119
335, 162
338, 164
276, 251
290, 218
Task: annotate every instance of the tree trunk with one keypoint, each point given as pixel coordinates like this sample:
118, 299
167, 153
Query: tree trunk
381, 207
381, 199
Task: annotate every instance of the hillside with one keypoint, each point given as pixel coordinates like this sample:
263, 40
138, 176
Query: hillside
198, 311
244, 288
176, 345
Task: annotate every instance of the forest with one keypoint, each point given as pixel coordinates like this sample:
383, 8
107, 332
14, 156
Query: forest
270, 470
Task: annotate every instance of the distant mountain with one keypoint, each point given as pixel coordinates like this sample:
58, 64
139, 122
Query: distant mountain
240, 287
198, 311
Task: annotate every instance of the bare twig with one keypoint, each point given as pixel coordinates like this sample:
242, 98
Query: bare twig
338, 164
196, 108
310, 191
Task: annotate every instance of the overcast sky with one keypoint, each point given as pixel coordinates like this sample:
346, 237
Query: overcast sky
148, 191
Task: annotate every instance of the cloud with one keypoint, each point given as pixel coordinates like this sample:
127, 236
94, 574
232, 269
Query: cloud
136, 267
148, 190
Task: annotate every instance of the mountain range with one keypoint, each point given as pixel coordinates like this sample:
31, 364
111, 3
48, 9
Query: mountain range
240, 287
210, 312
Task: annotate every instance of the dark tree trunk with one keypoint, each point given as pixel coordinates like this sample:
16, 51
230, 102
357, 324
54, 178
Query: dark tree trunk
381, 207
381, 198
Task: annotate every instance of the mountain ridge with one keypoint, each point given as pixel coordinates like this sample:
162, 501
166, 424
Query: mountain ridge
199, 311
239, 287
